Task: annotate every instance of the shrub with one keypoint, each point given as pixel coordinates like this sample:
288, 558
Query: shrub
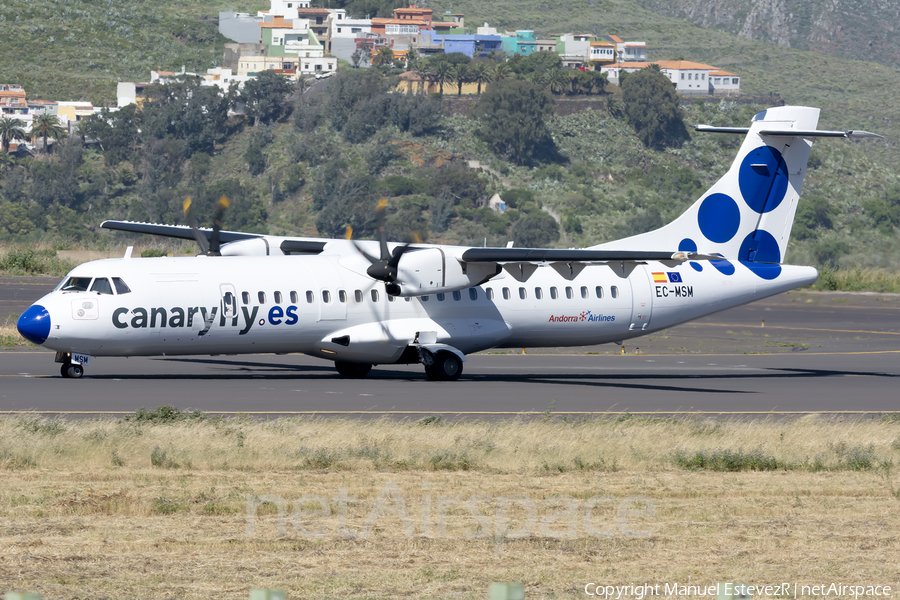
726, 459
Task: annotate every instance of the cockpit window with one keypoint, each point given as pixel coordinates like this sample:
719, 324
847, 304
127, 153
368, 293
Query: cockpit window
77, 284
121, 287
101, 286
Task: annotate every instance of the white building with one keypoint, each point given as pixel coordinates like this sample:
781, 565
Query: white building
689, 78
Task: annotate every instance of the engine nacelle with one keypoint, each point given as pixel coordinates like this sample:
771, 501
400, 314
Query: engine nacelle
430, 271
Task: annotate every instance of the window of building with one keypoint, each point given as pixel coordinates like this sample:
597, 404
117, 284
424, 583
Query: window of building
584, 291
506, 293
599, 291
682, 76
703, 76
294, 298
690, 76
326, 296
538, 293
473, 294
614, 291
734, 81
342, 296
261, 296
278, 298
339, 29
569, 293
309, 297
357, 295
554, 294
523, 293
245, 297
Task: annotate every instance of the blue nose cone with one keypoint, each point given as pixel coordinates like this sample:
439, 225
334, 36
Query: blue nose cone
34, 324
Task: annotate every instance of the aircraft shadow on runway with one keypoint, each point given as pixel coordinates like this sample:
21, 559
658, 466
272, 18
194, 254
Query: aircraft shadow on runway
245, 370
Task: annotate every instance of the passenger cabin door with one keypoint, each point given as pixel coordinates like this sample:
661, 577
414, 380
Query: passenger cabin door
641, 298
228, 300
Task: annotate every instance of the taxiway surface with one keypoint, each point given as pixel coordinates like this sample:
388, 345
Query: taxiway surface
793, 353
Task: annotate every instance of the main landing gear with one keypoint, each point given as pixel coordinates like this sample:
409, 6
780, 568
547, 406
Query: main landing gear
71, 371
354, 370
445, 366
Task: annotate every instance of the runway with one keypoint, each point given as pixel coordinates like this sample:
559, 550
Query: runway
791, 354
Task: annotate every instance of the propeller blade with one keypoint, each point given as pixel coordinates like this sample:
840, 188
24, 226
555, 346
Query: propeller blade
201, 238
382, 235
214, 245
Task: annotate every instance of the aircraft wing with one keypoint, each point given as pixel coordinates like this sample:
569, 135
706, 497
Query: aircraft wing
175, 231
537, 255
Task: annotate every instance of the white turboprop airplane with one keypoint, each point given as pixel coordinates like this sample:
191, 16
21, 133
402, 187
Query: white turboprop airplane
433, 304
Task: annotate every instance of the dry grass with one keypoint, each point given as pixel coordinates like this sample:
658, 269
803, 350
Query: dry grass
9, 336
152, 509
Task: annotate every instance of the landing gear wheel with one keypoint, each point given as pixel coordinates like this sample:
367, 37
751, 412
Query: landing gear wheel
72, 371
355, 370
446, 367
64, 370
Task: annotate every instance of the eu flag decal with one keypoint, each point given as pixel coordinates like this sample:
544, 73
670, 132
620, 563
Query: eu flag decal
674, 277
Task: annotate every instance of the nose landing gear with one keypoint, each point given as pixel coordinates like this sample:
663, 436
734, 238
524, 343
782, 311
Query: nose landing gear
71, 371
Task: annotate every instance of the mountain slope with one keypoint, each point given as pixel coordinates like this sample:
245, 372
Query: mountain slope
857, 30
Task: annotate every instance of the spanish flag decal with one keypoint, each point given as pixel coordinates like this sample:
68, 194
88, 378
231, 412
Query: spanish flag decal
659, 278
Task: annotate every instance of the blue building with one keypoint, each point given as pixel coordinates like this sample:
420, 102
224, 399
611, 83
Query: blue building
524, 43
473, 46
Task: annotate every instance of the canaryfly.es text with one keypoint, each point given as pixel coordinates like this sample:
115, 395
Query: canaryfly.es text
733, 590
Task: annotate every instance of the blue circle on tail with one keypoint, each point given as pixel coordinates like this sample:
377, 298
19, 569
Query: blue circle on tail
763, 179
719, 218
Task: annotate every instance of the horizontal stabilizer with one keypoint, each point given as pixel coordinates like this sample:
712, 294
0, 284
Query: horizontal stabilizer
175, 231
851, 134
510, 255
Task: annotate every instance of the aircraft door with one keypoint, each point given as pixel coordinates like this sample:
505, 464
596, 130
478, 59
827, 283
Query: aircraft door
332, 297
641, 298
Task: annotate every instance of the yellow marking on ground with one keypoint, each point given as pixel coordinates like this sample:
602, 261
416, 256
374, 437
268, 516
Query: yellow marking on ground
798, 328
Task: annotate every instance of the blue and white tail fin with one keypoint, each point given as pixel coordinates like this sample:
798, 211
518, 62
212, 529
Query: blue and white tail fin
747, 214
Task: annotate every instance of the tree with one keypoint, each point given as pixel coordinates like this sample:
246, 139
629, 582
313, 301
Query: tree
440, 73
461, 75
536, 229
599, 81
10, 131
47, 126
651, 105
559, 81
265, 97
384, 57
481, 74
412, 59
502, 71
511, 115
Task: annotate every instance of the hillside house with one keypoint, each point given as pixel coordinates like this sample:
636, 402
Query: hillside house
291, 67
689, 78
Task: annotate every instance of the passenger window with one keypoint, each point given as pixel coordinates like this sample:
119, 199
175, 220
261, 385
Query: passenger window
554, 294
262, 297
599, 291
342, 296
358, 295
490, 293
77, 284
390, 298
278, 298
326, 296
584, 291
121, 286
294, 298
374, 295
457, 295
407, 299
101, 286
309, 297
614, 291
229, 299
569, 293
424, 298
523, 293
538, 293
506, 293
473, 294
440, 297
245, 297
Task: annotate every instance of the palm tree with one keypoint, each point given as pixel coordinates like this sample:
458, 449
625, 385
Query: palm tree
599, 81
412, 59
502, 71
482, 75
10, 131
46, 126
441, 73
423, 70
460, 75
559, 81
301, 86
